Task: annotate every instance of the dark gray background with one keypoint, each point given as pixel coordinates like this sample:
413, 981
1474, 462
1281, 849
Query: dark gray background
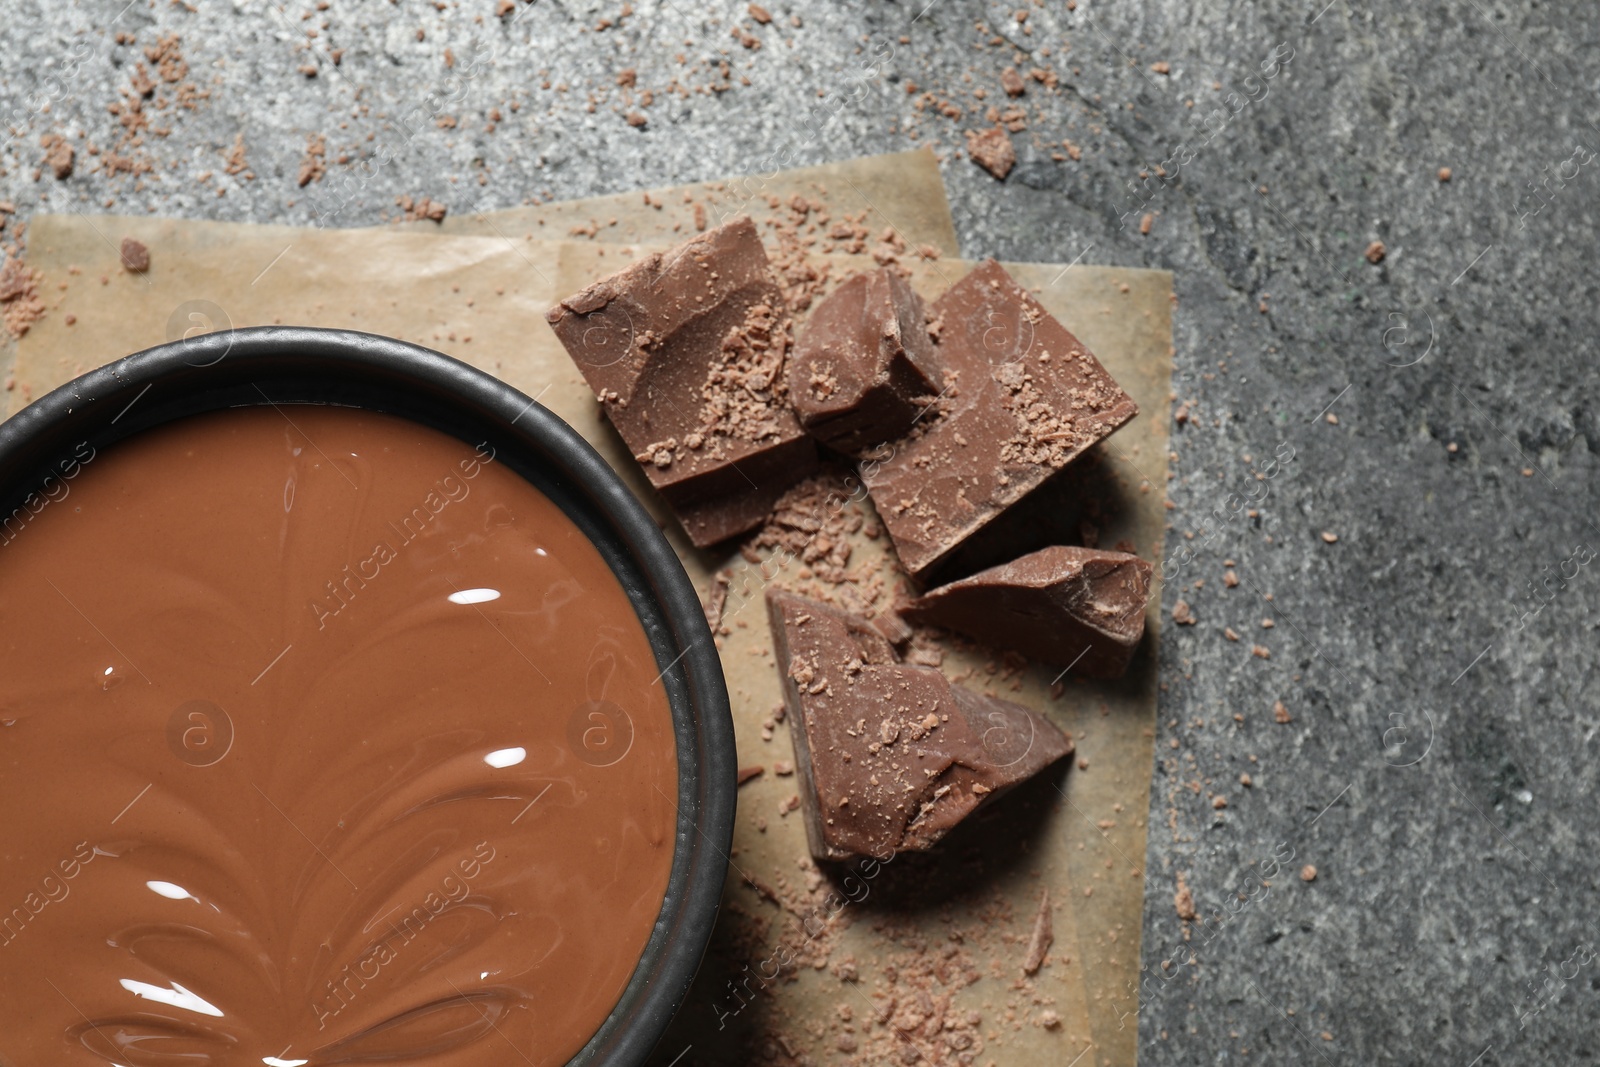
1438, 771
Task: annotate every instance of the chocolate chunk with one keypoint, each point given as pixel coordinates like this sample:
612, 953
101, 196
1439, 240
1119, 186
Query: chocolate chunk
685, 350
892, 755
1078, 607
864, 367
1028, 398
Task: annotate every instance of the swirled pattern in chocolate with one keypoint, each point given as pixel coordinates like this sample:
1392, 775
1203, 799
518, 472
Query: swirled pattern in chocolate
324, 739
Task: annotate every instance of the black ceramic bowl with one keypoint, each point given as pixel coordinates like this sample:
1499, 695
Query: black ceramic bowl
295, 365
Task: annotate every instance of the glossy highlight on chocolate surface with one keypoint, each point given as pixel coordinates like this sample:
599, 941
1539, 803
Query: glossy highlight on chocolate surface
327, 739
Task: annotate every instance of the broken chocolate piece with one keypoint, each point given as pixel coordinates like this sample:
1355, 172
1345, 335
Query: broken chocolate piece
864, 367
685, 350
892, 756
894, 628
1028, 398
1069, 606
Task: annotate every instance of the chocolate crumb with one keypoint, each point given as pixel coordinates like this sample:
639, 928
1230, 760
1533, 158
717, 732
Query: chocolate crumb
1183, 901
58, 155
419, 208
992, 150
1375, 252
20, 297
135, 256
312, 167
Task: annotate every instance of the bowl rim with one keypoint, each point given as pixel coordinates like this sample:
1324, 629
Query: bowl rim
281, 365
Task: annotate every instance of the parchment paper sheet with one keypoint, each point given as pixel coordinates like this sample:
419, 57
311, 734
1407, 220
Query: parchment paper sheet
1081, 833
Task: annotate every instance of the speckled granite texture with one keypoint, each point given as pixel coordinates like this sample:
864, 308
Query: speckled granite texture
1420, 548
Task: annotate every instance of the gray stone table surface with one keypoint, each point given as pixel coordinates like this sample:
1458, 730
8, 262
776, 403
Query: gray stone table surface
1434, 413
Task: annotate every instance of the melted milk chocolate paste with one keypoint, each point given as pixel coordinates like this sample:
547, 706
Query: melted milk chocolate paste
324, 739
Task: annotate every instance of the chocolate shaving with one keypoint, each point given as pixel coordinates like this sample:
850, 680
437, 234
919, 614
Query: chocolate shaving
1042, 938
